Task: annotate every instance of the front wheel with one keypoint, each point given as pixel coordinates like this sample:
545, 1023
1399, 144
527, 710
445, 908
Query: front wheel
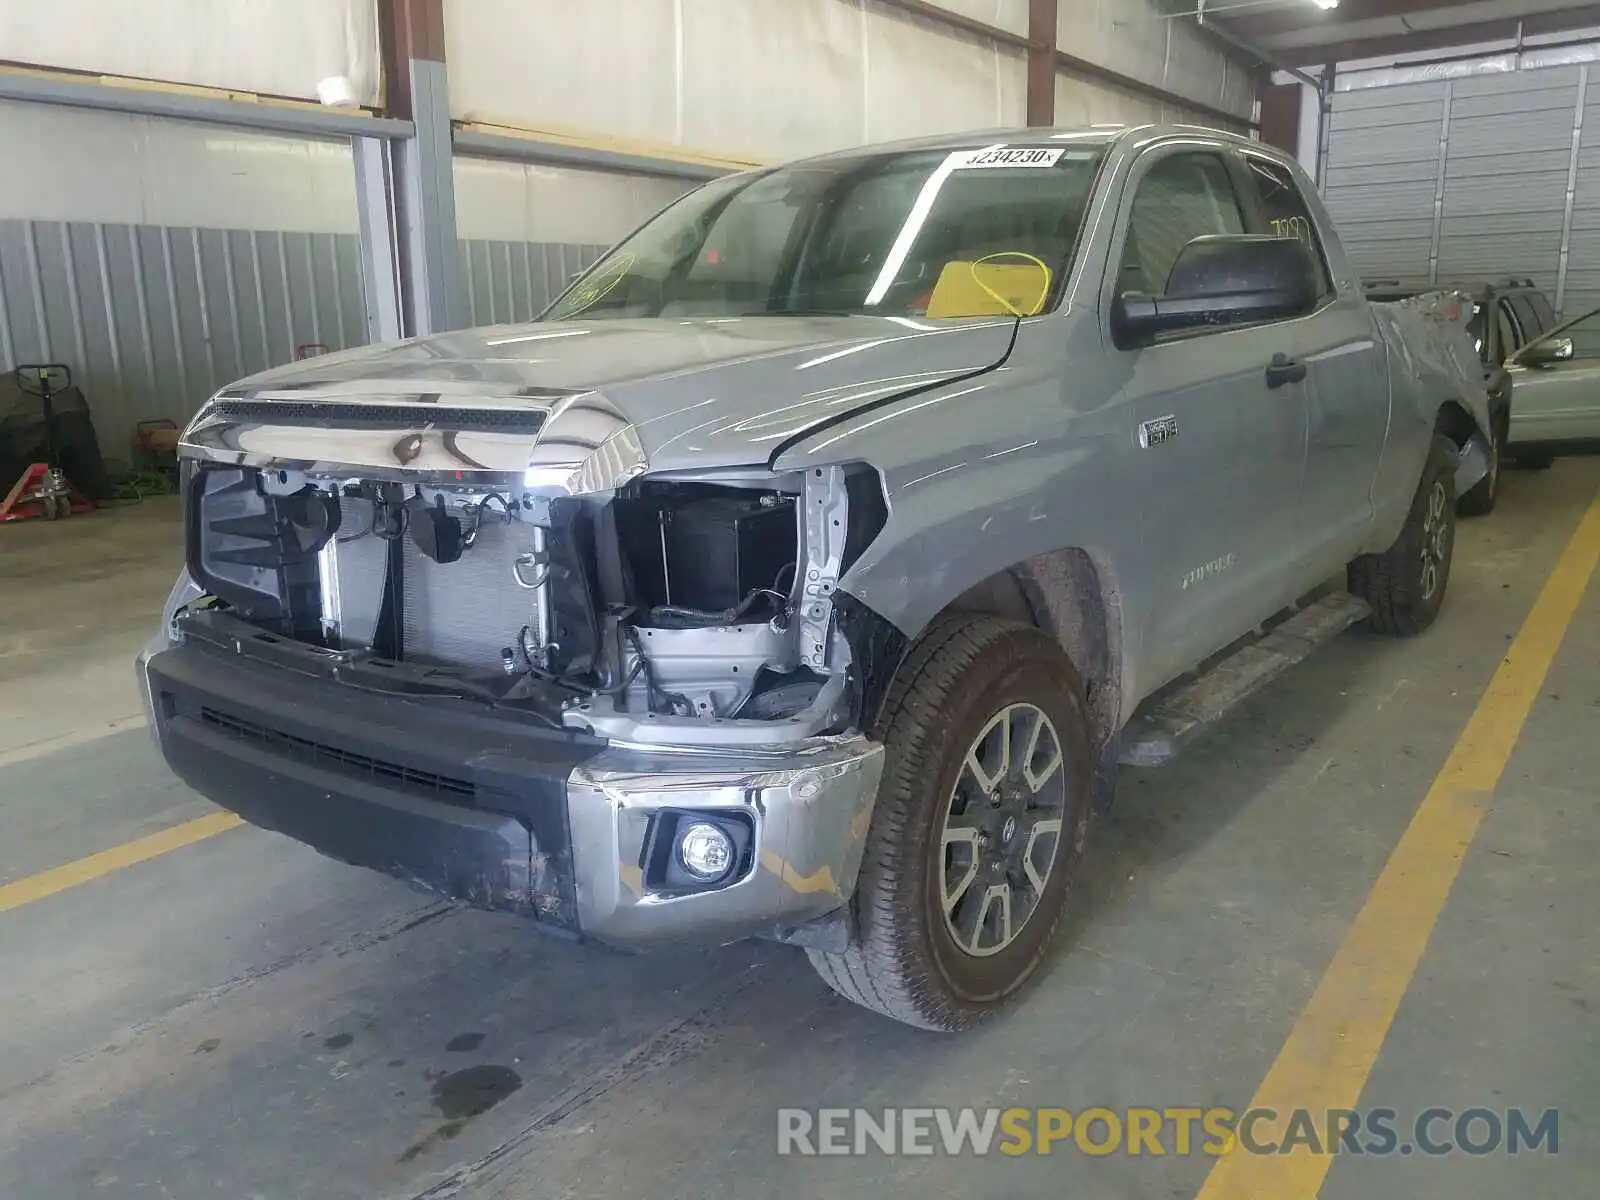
978, 829
1405, 585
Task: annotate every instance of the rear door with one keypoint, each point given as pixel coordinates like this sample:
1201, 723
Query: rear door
1218, 451
1555, 403
1345, 390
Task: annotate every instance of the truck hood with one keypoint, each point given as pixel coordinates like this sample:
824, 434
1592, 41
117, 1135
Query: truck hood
667, 394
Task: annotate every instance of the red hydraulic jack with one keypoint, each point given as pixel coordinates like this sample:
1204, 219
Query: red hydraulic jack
44, 490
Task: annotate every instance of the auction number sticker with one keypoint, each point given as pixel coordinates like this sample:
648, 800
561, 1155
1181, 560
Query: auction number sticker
1002, 156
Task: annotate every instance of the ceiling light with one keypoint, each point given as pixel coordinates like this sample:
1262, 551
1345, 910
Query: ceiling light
1325, 5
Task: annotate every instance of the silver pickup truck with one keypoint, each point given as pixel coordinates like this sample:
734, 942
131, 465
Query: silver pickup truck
807, 571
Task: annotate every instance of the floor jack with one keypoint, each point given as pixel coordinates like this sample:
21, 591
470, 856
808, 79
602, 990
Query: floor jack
44, 490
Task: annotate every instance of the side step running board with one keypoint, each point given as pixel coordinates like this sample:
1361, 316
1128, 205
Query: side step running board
1156, 735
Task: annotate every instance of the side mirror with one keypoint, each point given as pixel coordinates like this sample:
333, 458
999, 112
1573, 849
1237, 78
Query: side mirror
1224, 280
1548, 352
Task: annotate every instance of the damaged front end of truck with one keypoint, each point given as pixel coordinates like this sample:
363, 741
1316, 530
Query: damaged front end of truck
475, 641
684, 609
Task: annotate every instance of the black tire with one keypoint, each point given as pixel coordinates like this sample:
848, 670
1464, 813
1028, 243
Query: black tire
1396, 583
1534, 462
1480, 499
905, 962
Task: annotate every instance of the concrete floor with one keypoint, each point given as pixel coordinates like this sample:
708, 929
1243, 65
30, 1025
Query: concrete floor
242, 1018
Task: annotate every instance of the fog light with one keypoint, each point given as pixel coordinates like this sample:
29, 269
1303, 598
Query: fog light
705, 851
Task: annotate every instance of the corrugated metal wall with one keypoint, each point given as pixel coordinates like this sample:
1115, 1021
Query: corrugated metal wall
1472, 179
162, 259
507, 282
153, 319
527, 228
1382, 177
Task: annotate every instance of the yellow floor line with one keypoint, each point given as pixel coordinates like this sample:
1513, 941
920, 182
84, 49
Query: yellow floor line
1325, 1062
70, 875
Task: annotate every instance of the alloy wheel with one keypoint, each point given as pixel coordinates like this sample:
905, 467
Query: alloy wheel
1436, 529
1002, 829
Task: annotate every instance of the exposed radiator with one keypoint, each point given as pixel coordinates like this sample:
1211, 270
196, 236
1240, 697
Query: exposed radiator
466, 612
461, 614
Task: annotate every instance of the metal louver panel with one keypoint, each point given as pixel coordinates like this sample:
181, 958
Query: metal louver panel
1382, 177
1581, 279
1508, 157
1472, 180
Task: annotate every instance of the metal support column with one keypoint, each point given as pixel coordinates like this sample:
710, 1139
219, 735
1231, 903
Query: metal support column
1572, 189
425, 205
1438, 191
1043, 21
380, 251
1325, 94
418, 173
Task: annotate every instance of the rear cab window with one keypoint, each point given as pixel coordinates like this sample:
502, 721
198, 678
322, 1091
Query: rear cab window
1284, 211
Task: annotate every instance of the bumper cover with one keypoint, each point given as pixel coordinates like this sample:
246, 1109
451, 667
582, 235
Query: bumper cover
490, 809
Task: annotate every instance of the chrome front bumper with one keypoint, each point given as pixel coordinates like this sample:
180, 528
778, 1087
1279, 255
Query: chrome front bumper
535, 825
810, 805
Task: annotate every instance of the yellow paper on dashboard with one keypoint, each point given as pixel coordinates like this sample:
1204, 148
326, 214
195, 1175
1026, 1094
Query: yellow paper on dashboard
990, 289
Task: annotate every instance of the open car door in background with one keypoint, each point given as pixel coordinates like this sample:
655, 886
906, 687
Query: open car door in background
1555, 398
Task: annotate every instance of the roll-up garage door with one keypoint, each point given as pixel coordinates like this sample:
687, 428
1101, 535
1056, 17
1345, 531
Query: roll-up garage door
1470, 180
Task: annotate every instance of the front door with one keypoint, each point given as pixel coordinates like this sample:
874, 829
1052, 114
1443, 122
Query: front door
1555, 393
1347, 379
1219, 449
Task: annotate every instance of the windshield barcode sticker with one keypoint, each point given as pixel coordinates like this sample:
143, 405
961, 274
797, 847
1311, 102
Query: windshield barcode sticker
1002, 156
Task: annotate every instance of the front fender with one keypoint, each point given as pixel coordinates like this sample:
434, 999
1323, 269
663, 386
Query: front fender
991, 475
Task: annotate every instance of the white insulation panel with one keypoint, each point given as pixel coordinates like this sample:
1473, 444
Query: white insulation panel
116, 168
1135, 38
755, 80
1010, 15
525, 202
1081, 103
274, 47
602, 65
957, 82
773, 79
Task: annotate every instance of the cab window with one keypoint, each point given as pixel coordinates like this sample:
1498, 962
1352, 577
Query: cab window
1285, 212
1182, 197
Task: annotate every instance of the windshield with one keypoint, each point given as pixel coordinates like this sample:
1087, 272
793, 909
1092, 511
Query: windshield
914, 234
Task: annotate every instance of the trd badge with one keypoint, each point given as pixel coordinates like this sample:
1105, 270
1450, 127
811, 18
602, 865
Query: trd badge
1158, 432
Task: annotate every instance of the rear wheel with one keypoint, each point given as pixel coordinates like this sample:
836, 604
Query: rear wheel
1405, 585
978, 829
